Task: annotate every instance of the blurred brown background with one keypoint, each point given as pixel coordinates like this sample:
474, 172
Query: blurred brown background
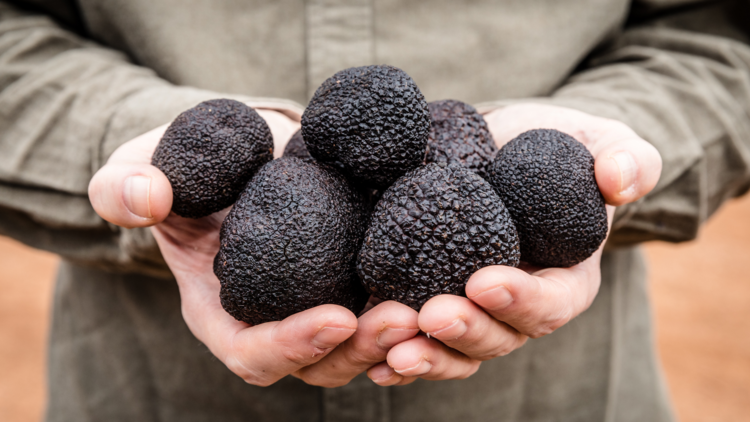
700, 291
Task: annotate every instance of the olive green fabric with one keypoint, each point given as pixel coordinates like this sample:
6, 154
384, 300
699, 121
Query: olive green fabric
77, 79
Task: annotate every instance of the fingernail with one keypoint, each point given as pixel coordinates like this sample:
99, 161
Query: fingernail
136, 195
384, 376
390, 337
495, 299
421, 368
628, 171
453, 331
329, 337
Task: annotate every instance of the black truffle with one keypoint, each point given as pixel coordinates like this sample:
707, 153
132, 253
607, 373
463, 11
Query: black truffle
290, 243
431, 231
372, 122
297, 148
209, 153
546, 179
459, 135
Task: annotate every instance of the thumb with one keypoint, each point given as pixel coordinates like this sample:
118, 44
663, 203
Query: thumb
128, 191
627, 168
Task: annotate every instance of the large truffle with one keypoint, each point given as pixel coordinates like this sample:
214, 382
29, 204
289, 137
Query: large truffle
290, 243
209, 153
546, 179
459, 135
372, 122
431, 231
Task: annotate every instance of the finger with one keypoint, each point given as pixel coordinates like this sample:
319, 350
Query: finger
462, 325
407, 380
264, 353
431, 360
626, 166
539, 303
379, 329
131, 195
128, 191
384, 376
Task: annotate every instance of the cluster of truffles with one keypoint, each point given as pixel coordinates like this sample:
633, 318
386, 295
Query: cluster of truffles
380, 193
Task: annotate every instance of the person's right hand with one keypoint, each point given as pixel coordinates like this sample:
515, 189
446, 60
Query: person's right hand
325, 346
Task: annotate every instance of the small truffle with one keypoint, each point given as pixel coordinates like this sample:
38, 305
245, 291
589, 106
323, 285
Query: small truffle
546, 179
371, 122
459, 135
431, 231
290, 243
209, 153
297, 148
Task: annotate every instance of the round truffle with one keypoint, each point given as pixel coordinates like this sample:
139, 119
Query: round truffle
297, 148
209, 153
546, 179
431, 231
290, 243
459, 135
372, 122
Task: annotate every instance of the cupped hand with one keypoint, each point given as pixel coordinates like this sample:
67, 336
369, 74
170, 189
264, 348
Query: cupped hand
505, 306
327, 345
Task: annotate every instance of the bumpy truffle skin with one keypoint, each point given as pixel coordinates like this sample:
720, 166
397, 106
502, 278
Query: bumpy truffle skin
290, 243
372, 122
431, 231
459, 135
297, 148
546, 179
210, 152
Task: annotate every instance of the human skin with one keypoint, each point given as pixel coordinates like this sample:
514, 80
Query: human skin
505, 306
328, 345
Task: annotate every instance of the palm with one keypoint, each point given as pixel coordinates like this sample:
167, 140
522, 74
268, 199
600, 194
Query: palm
189, 245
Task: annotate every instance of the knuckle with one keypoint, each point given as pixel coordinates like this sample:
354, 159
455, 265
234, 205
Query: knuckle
471, 370
256, 381
237, 368
326, 382
542, 331
296, 357
496, 352
549, 326
506, 347
362, 356
356, 358
313, 375
502, 350
250, 377
321, 377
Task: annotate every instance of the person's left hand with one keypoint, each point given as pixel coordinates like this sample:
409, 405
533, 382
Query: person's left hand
505, 306
325, 346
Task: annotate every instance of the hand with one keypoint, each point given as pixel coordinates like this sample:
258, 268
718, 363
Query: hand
506, 306
326, 345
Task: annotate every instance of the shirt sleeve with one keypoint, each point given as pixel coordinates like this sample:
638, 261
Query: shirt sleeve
66, 104
686, 89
